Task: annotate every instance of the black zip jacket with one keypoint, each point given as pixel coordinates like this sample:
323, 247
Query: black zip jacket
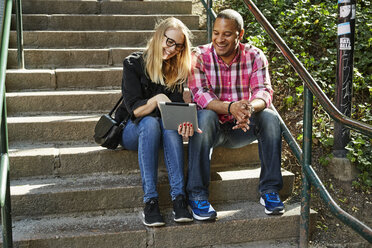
137, 88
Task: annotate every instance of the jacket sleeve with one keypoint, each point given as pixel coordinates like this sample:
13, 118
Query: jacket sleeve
131, 84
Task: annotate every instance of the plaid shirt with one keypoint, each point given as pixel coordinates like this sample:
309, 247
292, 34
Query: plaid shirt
246, 77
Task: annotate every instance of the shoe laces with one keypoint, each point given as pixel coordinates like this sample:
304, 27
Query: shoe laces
152, 205
273, 196
180, 201
202, 204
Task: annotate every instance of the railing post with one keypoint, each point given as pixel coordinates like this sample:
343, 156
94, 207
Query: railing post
307, 143
344, 77
209, 20
20, 53
6, 215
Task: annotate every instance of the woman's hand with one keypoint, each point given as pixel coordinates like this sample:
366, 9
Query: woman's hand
161, 98
186, 129
151, 104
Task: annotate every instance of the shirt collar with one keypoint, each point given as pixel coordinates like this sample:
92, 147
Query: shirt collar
235, 59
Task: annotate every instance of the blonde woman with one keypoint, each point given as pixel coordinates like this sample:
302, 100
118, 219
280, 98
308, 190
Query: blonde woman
149, 77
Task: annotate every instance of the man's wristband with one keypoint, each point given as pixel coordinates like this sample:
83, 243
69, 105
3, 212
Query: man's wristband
228, 108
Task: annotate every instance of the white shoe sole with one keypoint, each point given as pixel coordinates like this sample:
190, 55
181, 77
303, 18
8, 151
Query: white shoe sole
155, 224
268, 212
182, 219
197, 217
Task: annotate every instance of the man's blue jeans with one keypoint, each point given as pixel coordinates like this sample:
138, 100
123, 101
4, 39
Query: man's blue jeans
147, 137
264, 127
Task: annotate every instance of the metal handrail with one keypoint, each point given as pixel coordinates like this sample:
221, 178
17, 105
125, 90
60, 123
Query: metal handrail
19, 24
355, 224
305, 75
4, 161
304, 158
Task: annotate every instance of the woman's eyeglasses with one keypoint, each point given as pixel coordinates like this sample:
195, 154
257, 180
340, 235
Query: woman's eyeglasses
170, 42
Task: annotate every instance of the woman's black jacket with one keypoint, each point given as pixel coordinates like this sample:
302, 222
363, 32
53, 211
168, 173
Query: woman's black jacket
137, 88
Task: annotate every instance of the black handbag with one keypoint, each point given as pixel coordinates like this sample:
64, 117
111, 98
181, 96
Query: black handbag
107, 132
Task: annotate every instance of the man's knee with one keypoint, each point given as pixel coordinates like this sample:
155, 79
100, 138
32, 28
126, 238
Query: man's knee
269, 122
207, 117
208, 123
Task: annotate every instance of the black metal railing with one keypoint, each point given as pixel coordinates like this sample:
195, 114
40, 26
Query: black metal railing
6, 13
19, 24
304, 157
6, 220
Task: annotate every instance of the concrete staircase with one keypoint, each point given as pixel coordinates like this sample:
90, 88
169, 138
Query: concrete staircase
67, 191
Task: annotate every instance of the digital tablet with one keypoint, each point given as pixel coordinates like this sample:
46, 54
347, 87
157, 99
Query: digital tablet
175, 113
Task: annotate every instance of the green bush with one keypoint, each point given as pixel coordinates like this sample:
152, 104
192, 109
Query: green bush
309, 28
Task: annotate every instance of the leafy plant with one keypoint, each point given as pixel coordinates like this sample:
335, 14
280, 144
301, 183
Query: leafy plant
309, 28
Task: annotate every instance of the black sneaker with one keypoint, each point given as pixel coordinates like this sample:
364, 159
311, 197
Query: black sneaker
180, 211
151, 214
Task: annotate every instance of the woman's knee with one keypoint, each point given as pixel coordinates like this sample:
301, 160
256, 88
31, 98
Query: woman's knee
149, 125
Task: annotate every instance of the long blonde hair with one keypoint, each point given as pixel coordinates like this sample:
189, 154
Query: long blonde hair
173, 72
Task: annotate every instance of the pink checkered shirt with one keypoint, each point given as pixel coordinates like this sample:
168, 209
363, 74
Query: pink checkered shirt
247, 77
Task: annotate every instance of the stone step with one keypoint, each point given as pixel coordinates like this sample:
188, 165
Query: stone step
105, 7
59, 129
94, 192
239, 222
282, 243
99, 22
60, 79
52, 102
45, 160
71, 58
91, 39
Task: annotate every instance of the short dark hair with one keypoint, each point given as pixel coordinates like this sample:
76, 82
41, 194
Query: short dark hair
231, 14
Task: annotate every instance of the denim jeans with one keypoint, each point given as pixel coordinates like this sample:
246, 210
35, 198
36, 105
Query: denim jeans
147, 137
264, 127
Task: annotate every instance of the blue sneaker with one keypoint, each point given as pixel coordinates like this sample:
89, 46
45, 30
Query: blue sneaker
272, 203
202, 210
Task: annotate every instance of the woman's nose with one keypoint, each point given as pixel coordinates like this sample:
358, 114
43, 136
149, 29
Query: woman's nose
172, 48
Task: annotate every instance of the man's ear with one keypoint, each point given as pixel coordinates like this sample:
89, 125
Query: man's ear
241, 34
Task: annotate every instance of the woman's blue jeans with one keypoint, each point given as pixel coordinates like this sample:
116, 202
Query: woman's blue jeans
264, 127
147, 137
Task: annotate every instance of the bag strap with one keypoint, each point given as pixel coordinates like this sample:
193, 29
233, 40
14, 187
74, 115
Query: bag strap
124, 122
116, 105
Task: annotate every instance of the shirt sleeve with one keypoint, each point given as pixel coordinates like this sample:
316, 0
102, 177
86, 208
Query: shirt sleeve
198, 83
131, 85
260, 83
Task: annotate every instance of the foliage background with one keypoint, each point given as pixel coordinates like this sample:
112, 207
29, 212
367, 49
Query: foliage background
309, 27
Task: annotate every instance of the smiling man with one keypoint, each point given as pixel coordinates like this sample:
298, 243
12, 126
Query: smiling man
230, 83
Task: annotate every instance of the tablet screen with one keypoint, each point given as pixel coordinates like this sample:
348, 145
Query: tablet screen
175, 113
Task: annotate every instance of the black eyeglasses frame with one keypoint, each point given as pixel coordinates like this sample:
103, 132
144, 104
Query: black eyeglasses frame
170, 42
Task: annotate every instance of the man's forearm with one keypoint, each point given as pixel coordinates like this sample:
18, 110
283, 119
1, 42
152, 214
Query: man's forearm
258, 104
218, 106
221, 107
